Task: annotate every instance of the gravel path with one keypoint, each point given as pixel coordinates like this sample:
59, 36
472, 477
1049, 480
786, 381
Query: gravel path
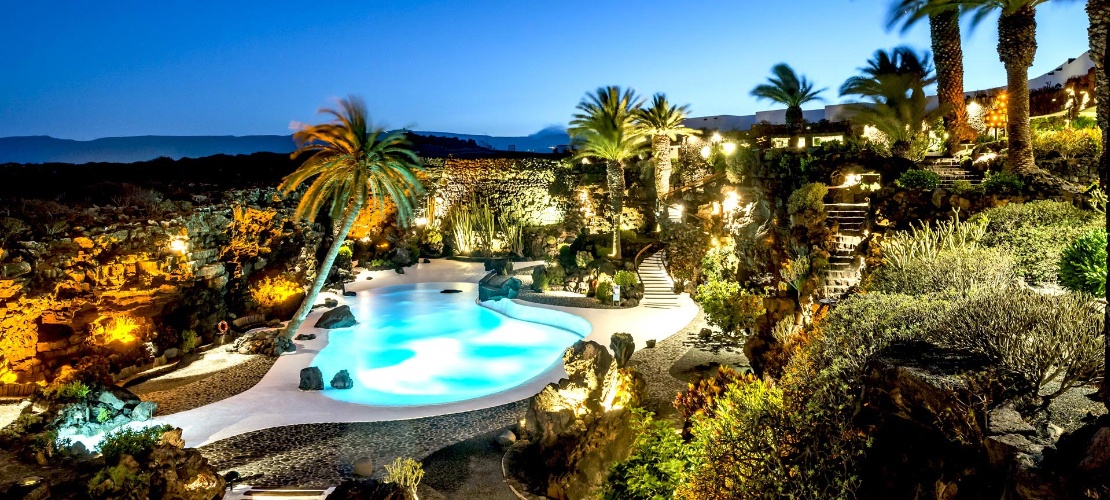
655, 363
321, 455
216, 376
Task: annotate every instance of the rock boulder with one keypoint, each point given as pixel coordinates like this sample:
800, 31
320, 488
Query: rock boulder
340, 317
311, 379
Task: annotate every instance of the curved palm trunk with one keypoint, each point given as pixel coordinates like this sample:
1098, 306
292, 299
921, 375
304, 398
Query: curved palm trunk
322, 274
1017, 45
661, 150
948, 55
1099, 33
615, 174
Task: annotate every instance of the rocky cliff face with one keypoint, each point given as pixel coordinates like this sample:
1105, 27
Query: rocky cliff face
124, 284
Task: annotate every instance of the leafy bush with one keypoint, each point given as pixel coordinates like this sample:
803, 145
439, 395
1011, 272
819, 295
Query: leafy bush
604, 291
1035, 234
188, 340
810, 196
119, 482
128, 441
68, 391
1042, 338
654, 466
721, 261
1083, 264
1003, 183
102, 415
343, 259
950, 270
539, 279
924, 180
1068, 142
729, 306
625, 279
962, 186
556, 276
701, 398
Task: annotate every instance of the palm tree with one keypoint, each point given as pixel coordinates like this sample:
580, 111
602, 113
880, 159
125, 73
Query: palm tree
789, 89
1017, 45
894, 84
663, 122
1099, 33
944, 28
351, 166
605, 127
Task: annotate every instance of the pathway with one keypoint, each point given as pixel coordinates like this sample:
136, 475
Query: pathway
950, 171
844, 269
658, 286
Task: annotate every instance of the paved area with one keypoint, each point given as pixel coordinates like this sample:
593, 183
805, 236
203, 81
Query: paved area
216, 376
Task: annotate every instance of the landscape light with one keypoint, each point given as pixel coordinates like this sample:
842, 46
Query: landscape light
421, 221
705, 151
179, 245
716, 137
729, 147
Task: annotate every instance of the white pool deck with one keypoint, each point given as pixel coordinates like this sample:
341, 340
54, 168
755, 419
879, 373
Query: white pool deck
276, 401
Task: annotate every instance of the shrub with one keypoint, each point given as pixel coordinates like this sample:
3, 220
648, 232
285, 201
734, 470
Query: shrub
810, 196
1035, 234
962, 186
539, 279
119, 482
275, 294
926, 243
720, 262
188, 341
1068, 142
1042, 338
343, 259
556, 276
128, 441
405, 472
701, 398
1083, 264
924, 180
604, 291
654, 466
1003, 183
950, 270
625, 279
68, 391
730, 307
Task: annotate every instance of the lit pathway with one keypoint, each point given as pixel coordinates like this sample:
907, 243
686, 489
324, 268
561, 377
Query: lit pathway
276, 401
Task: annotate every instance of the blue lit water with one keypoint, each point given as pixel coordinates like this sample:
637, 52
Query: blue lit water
416, 346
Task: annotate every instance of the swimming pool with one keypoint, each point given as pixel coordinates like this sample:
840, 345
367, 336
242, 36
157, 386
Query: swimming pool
414, 345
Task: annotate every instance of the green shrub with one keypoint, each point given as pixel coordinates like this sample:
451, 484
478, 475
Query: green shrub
102, 415
604, 291
924, 180
67, 391
1045, 339
730, 307
948, 271
119, 482
1068, 142
1083, 264
962, 187
539, 280
926, 242
1035, 234
1003, 183
625, 279
654, 466
188, 341
128, 441
720, 262
343, 258
555, 276
406, 473
810, 196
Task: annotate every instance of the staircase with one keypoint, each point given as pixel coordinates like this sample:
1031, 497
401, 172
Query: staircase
658, 286
844, 266
950, 171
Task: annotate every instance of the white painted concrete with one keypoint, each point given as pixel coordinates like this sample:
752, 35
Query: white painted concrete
276, 401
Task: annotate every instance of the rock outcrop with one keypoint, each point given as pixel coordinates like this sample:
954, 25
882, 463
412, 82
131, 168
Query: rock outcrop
340, 317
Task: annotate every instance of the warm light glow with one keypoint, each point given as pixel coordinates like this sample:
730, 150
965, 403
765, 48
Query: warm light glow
729, 147
705, 151
801, 142
421, 221
716, 137
852, 180
116, 329
731, 202
273, 292
179, 245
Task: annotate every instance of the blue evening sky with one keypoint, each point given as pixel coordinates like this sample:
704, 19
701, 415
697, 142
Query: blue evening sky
82, 70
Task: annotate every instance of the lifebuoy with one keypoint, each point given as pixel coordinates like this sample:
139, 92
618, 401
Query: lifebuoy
222, 326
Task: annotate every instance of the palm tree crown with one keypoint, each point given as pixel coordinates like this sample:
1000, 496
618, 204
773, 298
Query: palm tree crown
664, 118
788, 88
894, 85
901, 63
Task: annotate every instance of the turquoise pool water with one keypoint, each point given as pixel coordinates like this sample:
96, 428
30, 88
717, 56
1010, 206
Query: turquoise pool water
416, 346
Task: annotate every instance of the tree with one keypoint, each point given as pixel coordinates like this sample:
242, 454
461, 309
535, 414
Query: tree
786, 87
605, 128
1017, 46
1099, 33
663, 122
351, 166
894, 85
944, 29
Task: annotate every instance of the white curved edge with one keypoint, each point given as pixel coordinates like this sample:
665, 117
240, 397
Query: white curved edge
563, 320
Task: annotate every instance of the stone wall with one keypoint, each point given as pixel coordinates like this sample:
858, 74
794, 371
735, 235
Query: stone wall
125, 287
1082, 171
519, 187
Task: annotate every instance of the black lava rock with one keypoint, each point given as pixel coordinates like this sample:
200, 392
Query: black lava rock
340, 317
311, 379
342, 380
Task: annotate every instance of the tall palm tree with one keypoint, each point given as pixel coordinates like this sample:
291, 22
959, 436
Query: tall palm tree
663, 122
1017, 46
786, 87
944, 28
1099, 33
894, 85
351, 166
605, 127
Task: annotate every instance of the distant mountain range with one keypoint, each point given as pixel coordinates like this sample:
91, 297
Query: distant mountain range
46, 149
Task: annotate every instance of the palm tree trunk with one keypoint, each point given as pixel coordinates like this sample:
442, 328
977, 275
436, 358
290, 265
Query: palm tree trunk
1099, 34
322, 274
948, 55
794, 120
1017, 45
661, 149
615, 173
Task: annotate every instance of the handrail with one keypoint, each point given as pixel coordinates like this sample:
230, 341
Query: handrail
700, 182
636, 260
